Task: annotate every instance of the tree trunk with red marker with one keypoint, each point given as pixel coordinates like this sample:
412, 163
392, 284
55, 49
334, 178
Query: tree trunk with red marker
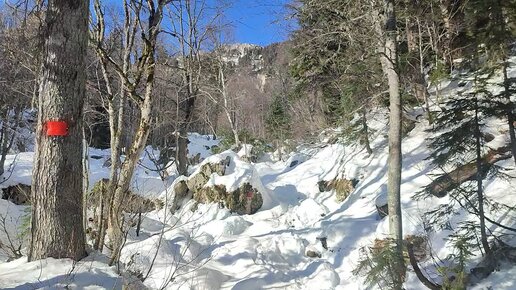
57, 187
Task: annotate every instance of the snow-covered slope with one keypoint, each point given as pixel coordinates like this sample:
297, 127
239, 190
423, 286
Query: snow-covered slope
204, 246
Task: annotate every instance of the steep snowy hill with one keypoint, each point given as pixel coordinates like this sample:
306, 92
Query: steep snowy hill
302, 238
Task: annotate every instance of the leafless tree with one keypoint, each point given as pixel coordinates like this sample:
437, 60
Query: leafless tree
137, 80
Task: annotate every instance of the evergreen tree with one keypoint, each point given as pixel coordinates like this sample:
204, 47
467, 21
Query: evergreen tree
492, 30
278, 122
460, 143
330, 61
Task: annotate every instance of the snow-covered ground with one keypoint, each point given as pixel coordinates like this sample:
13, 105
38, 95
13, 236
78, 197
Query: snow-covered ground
204, 246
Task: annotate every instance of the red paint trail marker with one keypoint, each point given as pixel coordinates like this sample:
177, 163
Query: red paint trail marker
56, 128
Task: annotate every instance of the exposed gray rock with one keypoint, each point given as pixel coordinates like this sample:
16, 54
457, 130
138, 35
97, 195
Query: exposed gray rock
244, 200
196, 182
18, 194
313, 254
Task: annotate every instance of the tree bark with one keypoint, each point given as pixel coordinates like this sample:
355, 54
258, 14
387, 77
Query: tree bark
395, 162
4, 139
480, 191
182, 150
182, 141
57, 188
394, 173
365, 133
116, 111
8, 134
116, 221
422, 80
443, 184
226, 106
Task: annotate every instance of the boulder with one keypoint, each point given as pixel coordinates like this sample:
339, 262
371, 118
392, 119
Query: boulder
18, 194
381, 205
181, 193
181, 189
243, 200
343, 187
313, 254
197, 181
324, 242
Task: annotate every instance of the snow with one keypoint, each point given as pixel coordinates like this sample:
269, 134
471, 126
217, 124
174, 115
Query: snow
205, 246
91, 273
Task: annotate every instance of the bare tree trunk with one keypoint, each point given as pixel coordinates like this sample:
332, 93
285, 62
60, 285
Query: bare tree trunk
116, 220
8, 134
57, 188
4, 136
365, 133
182, 151
479, 177
422, 80
226, 106
85, 179
182, 137
182, 141
509, 110
395, 161
141, 75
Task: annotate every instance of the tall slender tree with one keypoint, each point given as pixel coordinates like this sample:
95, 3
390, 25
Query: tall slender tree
57, 187
395, 162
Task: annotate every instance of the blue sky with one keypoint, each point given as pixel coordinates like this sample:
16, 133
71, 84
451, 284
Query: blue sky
258, 21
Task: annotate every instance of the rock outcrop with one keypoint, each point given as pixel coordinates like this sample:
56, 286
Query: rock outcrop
343, 187
18, 194
238, 193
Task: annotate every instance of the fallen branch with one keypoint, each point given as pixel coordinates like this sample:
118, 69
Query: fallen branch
446, 182
413, 262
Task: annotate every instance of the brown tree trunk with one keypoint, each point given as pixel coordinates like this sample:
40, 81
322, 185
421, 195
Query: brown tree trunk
57, 188
182, 151
422, 278
8, 134
480, 190
4, 136
365, 133
443, 184
182, 141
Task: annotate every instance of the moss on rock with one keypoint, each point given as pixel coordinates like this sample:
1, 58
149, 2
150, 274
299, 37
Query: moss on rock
343, 187
197, 182
244, 200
